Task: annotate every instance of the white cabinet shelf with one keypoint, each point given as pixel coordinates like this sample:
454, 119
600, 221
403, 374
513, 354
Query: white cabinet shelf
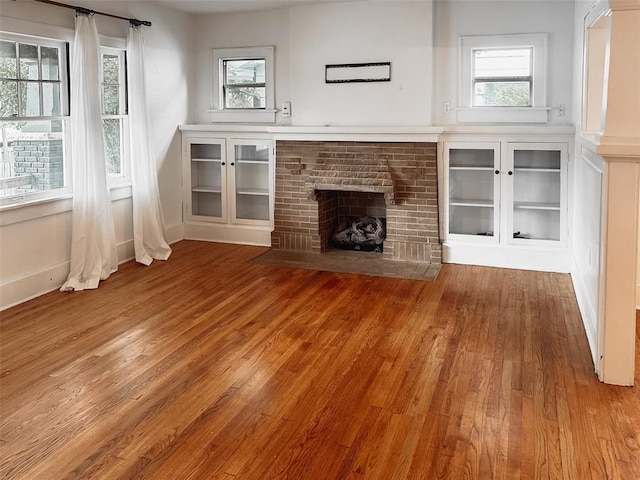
536, 206
228, 188
457, 202
206, 188
503, 198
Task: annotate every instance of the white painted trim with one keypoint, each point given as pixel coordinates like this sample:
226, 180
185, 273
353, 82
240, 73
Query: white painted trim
537, 113
240, 234
587, 311
21, 289
174, 233
243, 116
502, 114
218, 112
508, 256
41, 208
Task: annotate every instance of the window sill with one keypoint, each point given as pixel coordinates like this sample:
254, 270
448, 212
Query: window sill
44, 207
243, 116
503, 115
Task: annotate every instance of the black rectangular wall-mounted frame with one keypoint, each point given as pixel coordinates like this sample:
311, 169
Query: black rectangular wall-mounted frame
358, 72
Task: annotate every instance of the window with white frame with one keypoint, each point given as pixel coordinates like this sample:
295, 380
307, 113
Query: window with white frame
243, 84
34, 111
503, 78
114, 109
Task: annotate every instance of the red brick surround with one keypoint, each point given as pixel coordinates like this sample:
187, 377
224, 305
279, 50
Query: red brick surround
301, 223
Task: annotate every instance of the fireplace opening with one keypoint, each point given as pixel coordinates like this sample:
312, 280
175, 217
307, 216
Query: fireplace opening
352, 220
365, 234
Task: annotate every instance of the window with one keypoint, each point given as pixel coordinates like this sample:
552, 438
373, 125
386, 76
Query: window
33, 117
503, 78
243, 85
114, 109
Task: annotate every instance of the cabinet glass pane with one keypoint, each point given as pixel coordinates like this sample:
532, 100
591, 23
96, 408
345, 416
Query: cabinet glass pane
206, 175
252, 178
252, 153
536, 224
543, 159
536, 187
209, 151
252, 207
475, 185
207, 204
470, 220
466, 157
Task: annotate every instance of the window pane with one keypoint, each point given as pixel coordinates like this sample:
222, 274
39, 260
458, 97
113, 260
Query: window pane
8, 60
502, 63
502, 94
244, 71
112, 145
30, 99
51, 99
28, 61
110, 69
245, 97
8, 98
50, 63
34, 160
111, 100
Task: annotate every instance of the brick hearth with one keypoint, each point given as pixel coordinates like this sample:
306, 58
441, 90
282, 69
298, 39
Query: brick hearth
306, 198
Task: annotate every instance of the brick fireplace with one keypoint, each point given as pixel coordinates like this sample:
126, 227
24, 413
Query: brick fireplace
318, 181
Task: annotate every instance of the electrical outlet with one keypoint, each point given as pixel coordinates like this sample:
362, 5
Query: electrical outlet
286, 109
446, 108
561, 110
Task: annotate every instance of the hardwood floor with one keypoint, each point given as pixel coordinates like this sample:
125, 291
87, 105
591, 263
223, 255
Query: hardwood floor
209, 366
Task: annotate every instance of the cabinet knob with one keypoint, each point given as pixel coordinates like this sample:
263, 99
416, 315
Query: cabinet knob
497, 172
222, 163
510, 172
232, 164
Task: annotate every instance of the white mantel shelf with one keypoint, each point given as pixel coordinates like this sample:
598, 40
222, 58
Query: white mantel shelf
323, 133
374, 133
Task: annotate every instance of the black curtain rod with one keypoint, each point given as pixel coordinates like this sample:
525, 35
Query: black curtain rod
87, 11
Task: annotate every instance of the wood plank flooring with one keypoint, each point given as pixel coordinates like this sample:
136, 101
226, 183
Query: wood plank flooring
209, 366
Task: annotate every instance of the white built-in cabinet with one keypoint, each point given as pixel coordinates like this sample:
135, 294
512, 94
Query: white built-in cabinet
228, 188
506, 204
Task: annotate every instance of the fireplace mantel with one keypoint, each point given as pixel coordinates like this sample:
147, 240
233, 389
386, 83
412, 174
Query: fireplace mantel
325, 133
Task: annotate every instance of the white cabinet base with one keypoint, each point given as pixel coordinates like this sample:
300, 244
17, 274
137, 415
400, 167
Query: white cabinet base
241, 234
508, 256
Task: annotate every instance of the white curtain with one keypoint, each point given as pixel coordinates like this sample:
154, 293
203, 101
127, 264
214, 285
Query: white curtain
93, 241
148, 231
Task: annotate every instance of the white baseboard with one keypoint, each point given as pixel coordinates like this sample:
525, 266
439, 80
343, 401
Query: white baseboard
587, 311
174, 233
19, 290
523, 258
22, 289
240, 234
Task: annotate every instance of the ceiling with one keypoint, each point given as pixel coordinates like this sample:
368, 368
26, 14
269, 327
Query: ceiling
218, 6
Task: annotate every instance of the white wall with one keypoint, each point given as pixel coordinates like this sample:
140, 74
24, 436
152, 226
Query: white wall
454, 19
231, 30
306, 38
386, 31
34, 253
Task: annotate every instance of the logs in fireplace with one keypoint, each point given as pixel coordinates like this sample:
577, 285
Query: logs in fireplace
360, 233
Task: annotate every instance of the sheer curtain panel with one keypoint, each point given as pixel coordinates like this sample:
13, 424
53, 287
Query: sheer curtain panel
148, 231
93, 241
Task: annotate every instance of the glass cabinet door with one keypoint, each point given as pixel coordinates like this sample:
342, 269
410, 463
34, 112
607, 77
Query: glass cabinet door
252, 180
537, 200
207, 179
473, 191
